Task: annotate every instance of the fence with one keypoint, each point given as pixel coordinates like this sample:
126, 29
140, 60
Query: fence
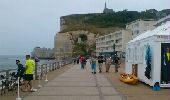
8, 80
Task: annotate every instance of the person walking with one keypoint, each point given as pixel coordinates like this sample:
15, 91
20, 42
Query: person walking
78, 58
74, 60
93, 64
117, 63
29, 69
100, 63
108, 63
82, 61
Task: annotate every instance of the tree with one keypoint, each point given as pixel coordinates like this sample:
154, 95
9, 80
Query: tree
80, 49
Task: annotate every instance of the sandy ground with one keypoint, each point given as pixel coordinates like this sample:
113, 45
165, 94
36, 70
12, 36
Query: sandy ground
51, 75
140, 91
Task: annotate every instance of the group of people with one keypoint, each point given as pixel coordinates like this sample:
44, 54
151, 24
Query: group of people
82, 61
26, 73
108, 61
100, 59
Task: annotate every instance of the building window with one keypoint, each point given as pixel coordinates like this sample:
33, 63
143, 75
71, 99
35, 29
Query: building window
116, 41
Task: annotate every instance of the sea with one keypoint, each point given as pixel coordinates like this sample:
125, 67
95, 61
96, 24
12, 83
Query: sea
8, 61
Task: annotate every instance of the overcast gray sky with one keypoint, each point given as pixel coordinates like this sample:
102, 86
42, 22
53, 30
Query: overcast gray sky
25, 24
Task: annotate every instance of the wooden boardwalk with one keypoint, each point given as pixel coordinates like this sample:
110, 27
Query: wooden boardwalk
77, 84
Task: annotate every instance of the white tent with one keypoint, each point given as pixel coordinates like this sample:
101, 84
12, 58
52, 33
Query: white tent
149, 54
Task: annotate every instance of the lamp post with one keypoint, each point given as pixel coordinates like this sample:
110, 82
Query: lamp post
101, 51
113, 51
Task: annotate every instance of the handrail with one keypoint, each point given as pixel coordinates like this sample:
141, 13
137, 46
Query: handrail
41, 69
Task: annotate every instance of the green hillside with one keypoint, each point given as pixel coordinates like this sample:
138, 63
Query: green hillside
113, 21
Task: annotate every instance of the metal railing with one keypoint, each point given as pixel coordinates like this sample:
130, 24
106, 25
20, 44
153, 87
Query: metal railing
41, 70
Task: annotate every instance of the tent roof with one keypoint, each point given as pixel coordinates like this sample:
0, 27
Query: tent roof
161, 30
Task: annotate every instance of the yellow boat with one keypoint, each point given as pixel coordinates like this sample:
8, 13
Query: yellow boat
129, 78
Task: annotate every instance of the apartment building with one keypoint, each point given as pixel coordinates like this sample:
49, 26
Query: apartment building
140, 26
104, 44
43, 53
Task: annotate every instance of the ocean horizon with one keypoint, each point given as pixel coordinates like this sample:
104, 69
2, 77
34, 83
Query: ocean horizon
8, 61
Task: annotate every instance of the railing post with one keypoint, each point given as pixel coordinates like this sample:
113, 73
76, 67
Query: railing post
58, 65
41, 71
55, 66
7, 74
36, 65
46, 80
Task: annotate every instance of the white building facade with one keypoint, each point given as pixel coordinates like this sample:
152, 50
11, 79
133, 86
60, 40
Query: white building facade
139, 26
104, 44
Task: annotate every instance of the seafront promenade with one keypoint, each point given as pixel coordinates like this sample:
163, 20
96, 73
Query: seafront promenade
77, 84
69, 82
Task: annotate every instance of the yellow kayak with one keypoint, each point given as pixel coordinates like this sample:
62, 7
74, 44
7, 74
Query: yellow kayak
129, 78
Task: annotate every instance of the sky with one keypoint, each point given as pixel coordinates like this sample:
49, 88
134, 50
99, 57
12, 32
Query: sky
25, 24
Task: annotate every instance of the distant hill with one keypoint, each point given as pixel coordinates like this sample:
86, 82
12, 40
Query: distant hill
100, 22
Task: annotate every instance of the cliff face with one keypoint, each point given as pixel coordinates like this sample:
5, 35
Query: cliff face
99, 22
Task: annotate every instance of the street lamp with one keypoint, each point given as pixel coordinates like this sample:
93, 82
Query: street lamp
101, 52
113, 51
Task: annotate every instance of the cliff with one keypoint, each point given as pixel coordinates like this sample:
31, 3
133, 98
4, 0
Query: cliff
102, 22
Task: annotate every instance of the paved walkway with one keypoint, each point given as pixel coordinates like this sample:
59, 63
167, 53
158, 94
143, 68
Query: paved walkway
77, 84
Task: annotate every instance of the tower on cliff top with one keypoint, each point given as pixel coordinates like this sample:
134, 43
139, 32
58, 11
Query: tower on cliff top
107, 10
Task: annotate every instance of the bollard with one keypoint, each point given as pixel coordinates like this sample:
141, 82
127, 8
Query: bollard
18, 98
39, 84
46, 80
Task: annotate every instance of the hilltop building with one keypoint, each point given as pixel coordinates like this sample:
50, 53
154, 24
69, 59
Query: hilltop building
107, 10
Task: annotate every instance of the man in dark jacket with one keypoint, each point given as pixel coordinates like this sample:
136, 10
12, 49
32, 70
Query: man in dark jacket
100, 63
21, 70
117, 63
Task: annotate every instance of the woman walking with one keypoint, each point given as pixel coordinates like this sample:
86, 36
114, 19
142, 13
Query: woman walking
108, 63
93, 65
